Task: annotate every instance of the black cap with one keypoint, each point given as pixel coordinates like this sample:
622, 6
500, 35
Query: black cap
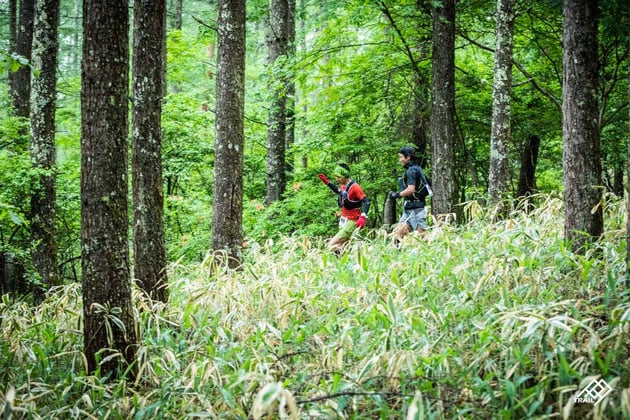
407, 151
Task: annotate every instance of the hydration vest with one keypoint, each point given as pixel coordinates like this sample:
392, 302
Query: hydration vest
344, 201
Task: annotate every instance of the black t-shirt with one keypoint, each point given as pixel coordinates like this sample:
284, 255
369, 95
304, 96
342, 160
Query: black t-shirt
413, 177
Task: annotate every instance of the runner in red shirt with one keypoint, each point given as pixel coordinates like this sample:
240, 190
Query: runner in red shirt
354, 206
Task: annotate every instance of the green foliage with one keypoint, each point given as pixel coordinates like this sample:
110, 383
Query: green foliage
468, 321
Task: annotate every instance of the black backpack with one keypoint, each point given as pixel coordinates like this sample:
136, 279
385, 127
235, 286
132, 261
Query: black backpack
422, 193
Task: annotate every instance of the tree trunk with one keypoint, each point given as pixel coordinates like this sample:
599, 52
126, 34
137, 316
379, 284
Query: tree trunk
176, 21
290, 105
389, 213
420, 120
443, 111
617, 184
227, 217
148, 196
109, 324
580, 131
628, 191
529, 160
21, 79
42, 145
76, 14
277, 42
499, 174
12, 33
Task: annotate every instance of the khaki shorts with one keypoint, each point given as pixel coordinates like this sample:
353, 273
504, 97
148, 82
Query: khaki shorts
346, 227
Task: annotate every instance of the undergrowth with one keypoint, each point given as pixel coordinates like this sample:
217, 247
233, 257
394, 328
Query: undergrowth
479, 320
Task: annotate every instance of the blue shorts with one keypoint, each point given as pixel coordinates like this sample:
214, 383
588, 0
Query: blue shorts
415, 218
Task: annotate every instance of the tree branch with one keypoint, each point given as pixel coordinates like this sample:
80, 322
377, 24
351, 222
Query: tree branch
556, 101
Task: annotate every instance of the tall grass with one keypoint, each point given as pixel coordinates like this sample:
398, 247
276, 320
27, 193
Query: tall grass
482, 320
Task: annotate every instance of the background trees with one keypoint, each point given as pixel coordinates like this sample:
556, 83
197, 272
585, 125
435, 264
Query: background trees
363, 81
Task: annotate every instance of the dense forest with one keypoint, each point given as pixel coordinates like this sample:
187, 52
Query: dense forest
163, 226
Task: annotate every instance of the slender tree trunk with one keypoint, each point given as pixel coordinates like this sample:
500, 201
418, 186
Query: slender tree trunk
628, 188
529, 160
499, 174
290, 105
21, 79
277, 43
443, 111
421, 101
582, 165
148, 196
421, 122
76, 13
12, 33
109, 324
42, 145
227, 217
176, 21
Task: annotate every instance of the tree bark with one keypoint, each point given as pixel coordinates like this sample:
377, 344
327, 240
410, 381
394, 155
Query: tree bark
12, 32
443, 110
580, 131
291, 100
21, 80
148, 196
277, 43
420, 120
109, 324
499, 174
42, 145
176, 21
628, 188
529, 160
227, 217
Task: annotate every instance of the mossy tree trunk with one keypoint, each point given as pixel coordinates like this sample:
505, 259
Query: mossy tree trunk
148, 196
500, 137
227, 216
42, 144
109, 324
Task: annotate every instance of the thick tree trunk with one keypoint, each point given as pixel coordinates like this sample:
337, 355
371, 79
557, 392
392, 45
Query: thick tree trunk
499, 174
42, 145
148, 196
529, 160
104, 215
582, 165
443, 111
277, 43
227, 217
21, 79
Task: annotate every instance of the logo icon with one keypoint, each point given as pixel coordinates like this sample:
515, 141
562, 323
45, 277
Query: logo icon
594, 392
